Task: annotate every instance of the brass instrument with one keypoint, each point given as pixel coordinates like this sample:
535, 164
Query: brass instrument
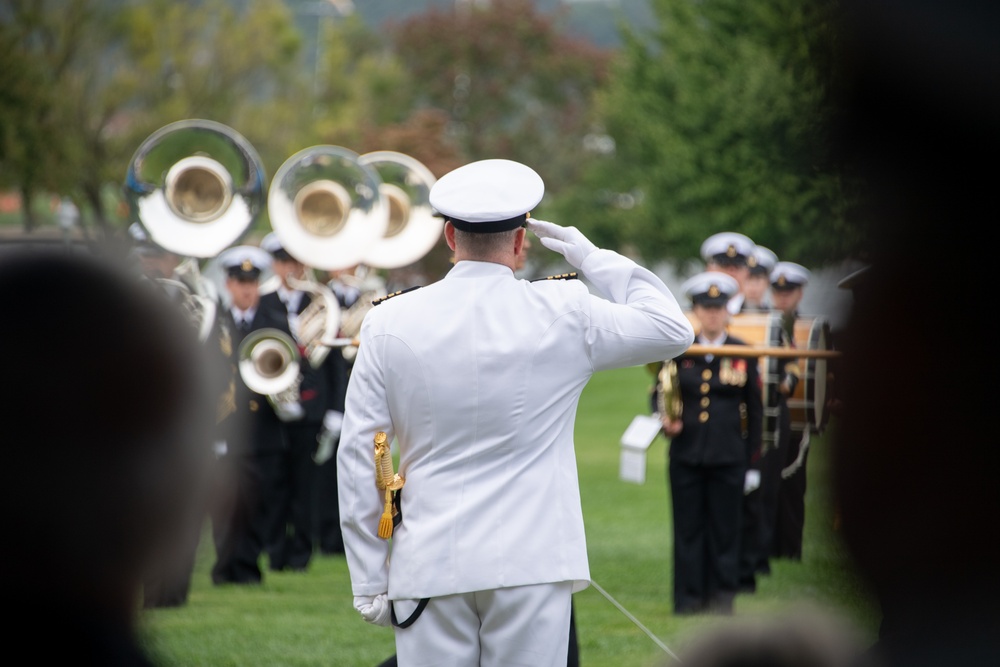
412, 229
326, 207
669, 402
332, 210
317, 326
195, 186
269, 363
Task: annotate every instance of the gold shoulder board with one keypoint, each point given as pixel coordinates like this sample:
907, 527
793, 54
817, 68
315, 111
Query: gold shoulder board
561, 276
379, 300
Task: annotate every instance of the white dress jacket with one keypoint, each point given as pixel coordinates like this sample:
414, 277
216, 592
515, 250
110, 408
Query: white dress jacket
478, 377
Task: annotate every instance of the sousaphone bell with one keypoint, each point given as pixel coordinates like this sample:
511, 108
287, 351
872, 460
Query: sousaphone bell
412, 229
195, 186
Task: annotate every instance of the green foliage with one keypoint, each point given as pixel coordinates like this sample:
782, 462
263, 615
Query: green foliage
719, 114
307, 619
512, 84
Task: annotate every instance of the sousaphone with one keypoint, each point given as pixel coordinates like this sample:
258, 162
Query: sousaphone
195, 186
326, 207
412, 229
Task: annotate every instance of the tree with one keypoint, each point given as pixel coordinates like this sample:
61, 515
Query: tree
96, 77
718, 117
511, 83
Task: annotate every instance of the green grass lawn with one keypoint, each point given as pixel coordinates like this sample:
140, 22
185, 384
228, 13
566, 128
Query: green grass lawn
307, 619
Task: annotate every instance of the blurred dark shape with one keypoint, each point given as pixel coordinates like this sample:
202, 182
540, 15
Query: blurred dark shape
916, 452
797, 638
104, 407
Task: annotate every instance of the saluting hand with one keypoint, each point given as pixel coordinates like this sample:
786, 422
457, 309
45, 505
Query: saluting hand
567, 241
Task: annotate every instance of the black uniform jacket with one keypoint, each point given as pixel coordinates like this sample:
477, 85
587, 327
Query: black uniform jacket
254, 422
723, 411
322, 388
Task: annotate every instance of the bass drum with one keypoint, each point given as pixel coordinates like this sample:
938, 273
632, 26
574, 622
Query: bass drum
807, 405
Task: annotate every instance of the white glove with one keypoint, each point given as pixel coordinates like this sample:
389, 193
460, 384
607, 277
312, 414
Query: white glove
289, 412
751, 482
327, 438
376, 610
567, 241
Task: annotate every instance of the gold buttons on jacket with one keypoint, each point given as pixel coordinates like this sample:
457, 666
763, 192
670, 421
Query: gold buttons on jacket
706, 374
253, 406
705, 401
703, 417
704, 387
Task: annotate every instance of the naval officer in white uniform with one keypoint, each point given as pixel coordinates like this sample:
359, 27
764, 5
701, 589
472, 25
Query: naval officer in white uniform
478, 377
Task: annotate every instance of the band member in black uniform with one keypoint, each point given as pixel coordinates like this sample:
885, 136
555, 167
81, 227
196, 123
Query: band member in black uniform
757, 286
759, 502
712, 443
354, 288
256, 438
788, 281
169, 584
290, 545
729, 253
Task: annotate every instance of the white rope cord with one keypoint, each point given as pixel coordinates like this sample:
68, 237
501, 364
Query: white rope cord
632, 618
797, 463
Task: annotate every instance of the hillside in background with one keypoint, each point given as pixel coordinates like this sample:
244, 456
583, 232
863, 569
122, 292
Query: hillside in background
596, 21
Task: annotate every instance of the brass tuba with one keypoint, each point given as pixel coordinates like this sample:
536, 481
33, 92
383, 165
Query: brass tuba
412, 229
325, 207
195, 186
332, 210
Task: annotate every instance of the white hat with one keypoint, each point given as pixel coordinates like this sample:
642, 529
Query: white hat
272, 243
762, 260
727, 247
788, 275
244, 261
488, 195
710, 288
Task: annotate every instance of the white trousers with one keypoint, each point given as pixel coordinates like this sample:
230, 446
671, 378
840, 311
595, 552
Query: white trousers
523, 626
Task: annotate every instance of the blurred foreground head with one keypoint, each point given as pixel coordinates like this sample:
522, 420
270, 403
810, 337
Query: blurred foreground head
104, 412
916, 454
798, 637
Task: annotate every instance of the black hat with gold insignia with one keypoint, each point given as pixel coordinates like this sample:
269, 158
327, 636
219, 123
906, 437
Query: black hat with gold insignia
710, 288
788, 276
762, 261
727, 249
245, 262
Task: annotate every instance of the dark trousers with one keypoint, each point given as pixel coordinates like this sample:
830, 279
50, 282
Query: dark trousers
708, 512
288, 512
237, 542
327, 508
751, 546
791, 506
